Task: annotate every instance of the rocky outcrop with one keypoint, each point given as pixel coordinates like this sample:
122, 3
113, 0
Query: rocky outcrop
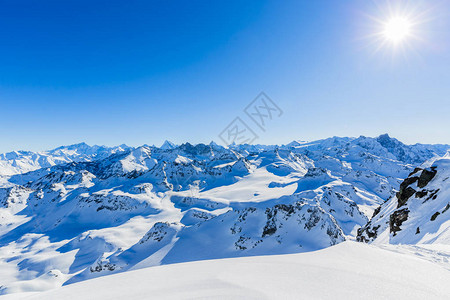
396, 220
416, 214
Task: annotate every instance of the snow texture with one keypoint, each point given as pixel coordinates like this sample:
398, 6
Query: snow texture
347, 271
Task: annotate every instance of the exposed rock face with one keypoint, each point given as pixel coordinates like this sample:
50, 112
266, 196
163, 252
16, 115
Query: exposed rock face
396, 220
404, 195
283, 228
419, 211
14, 197
158, 232
426, 176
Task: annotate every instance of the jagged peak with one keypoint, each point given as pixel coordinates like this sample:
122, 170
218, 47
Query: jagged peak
384, 136
385, 139
168, 145
214, 144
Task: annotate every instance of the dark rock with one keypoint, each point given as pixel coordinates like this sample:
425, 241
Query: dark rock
102, 266
397, 219
408, 181
426, 176
376, 211
432, 196
373, 234
269, 229
404, 195
240, 244
360, 236
421, 194
271, 225
288, 209
405, 191
417, 230
434, 216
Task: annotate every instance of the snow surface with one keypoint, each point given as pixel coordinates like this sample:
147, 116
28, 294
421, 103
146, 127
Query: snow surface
347, 271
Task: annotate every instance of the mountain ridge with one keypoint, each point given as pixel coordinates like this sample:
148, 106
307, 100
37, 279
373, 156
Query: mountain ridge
83, 151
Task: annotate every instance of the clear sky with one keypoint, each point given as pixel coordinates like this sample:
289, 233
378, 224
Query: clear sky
140, 72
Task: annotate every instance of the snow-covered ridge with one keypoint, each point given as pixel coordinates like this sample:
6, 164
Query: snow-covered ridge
18, 162
106, 211
420, 211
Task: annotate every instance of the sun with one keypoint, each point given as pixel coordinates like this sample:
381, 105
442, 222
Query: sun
397, 29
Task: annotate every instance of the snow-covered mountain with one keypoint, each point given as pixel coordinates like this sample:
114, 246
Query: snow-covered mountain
102, 211
383, 146
420, 211
18, 162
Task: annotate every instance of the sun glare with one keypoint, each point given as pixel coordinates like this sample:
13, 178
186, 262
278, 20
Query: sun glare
397, 29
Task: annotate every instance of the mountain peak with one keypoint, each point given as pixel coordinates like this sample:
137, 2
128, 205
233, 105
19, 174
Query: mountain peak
81, 145
167, 145
388, 142
384, 136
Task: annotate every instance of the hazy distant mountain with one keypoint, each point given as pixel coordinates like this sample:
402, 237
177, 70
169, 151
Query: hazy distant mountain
24, 161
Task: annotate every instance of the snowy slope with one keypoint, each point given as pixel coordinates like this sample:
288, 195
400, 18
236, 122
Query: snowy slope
150, 206
420, 212
346, 271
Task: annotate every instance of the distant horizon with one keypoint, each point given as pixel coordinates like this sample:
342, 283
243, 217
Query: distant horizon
158, 145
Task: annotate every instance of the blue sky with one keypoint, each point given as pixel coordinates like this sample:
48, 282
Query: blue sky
140, 72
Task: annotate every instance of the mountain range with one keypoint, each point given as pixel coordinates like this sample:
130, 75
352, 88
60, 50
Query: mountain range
79, 212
